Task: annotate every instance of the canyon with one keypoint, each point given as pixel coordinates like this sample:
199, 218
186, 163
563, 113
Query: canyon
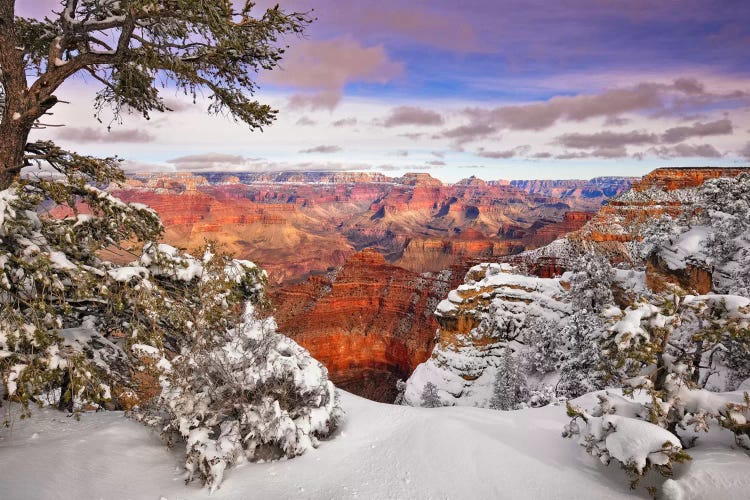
357, 262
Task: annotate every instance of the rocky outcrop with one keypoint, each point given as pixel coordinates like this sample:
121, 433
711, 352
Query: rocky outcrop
370, 323
671, 179
616, 229
490, 312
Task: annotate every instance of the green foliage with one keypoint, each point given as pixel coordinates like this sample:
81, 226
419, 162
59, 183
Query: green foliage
135, 47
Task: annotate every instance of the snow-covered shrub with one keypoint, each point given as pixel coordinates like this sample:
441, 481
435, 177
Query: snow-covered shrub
664, 351
235, 390
615, 429
248, 393
541, 395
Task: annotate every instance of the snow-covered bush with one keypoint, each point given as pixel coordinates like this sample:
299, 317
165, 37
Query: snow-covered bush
664, 353
235, 390
249, 393
66, 320
615, 429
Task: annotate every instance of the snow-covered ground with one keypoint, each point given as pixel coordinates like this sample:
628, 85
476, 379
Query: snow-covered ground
381, 452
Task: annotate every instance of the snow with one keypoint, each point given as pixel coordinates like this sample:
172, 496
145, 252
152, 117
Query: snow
126, 273
688, 247
60, 261
382, 451
146, 350
636, 440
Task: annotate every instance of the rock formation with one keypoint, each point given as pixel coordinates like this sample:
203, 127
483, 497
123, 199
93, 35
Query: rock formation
492, 309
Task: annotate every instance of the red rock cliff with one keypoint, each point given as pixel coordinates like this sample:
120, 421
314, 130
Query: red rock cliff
370, 323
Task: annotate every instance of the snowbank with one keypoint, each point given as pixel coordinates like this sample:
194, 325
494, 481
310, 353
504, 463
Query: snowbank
382, 451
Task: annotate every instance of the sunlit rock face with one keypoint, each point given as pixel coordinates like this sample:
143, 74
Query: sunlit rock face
302, 223
369, 322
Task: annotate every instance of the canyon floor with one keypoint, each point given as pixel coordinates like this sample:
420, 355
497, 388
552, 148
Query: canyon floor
381, 452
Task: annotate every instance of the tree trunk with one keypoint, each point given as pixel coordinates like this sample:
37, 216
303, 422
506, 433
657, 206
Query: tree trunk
15, 122
12, 142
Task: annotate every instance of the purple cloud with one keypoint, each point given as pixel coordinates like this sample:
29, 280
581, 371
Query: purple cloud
504, 154
607, 140
322, 149
687, 151
698, 129
412, 115
88, 134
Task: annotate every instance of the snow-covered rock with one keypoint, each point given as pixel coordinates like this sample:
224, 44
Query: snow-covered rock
478, 320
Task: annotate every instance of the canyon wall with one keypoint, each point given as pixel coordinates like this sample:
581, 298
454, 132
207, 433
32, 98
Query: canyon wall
370, 323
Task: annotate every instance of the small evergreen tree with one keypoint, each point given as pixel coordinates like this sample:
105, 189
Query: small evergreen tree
582, 369
430, 396
510, 385
545, 343
591, 283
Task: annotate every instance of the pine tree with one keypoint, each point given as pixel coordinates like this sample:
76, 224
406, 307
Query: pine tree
134, 48
545, 342
430, 396
591, 283
510, 384
582, 370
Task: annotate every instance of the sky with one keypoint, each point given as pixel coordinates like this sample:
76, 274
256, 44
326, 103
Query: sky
500, 89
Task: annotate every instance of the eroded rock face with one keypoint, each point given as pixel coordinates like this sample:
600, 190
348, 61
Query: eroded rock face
370, 323
671, 179
295, 224
580, 194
